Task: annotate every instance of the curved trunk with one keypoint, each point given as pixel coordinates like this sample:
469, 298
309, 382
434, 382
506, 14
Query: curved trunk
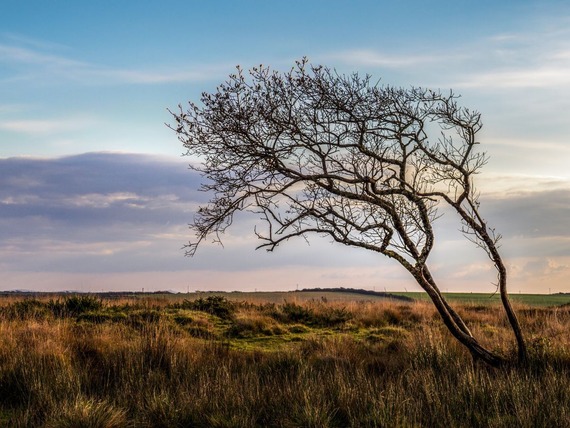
458, 320
512, 317
489, 245
494, 255
453, 321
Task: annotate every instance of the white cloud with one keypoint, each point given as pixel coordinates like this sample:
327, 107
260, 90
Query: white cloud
497, 185
54, 249
12, 108
41, 44
47, 126
99, 200
380, 59
33, 64
182, 74
20, 55
553, 76
536, 58
20, 200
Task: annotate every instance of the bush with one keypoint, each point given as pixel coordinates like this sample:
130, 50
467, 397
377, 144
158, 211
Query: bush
74, 305
101, 317
214, 305
293, 313
144, 317
321, 316
26, 309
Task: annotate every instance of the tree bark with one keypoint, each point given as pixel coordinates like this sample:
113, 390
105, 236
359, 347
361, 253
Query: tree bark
511, 315
453, 321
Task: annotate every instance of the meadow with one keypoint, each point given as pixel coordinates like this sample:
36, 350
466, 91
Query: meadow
294, 360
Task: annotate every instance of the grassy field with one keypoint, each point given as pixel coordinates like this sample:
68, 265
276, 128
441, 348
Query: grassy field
272, 361
480, 298
340, 295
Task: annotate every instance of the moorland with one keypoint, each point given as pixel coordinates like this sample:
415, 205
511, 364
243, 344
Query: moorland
306, 359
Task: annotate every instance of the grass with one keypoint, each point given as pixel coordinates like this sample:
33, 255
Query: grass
483, 298
210, 361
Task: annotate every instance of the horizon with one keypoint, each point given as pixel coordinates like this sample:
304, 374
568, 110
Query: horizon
95, 193
371, 292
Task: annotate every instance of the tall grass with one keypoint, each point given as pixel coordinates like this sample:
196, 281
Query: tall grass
212, 363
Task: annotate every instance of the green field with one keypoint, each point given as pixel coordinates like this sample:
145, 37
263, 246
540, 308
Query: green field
333, 295
348, 295
483, 298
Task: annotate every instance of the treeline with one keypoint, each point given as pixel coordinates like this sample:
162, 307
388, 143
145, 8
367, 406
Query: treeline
359, 291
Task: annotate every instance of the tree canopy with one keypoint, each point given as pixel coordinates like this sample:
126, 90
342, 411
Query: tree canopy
367, 165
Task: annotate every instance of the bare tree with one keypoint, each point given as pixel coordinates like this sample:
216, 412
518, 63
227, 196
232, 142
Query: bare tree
315, 152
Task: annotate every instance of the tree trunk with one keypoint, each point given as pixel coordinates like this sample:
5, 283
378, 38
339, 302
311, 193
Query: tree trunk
454, 322
513, 320
502, 277
490, 247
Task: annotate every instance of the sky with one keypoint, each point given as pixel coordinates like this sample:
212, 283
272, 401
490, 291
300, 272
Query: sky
95, 194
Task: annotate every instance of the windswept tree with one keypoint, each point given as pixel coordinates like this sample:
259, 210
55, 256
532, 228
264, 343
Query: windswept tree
315, 152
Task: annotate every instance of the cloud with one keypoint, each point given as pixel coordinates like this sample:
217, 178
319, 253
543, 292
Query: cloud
12, 108
95, 187
97, 196
536, 76
502, 185
534, 214
374, 58
15, 55
31, 63
538, 58
47, 126
125, 214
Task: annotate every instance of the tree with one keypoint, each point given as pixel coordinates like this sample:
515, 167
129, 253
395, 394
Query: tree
315, 152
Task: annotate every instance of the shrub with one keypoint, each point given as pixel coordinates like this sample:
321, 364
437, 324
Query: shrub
214, 305
321, 315
74, 305
254, 325
293, 313
101, 317
26, 309
144, 317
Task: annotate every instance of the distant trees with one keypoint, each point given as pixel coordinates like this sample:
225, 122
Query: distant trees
315, 152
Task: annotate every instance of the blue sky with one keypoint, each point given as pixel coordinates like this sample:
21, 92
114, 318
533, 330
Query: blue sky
94, 194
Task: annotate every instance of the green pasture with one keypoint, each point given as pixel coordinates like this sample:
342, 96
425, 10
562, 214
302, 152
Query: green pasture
344, 295
348, 296
335, 296
485, 298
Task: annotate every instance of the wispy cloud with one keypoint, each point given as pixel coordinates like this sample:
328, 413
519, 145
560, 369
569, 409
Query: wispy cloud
538, 58
15, 55
178, 74
21, 39
12, 108
32, 62
47, 126
536, 76
360, 57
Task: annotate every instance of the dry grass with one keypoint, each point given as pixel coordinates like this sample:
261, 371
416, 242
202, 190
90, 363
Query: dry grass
175, 363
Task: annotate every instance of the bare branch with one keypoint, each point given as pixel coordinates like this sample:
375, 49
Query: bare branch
315, 152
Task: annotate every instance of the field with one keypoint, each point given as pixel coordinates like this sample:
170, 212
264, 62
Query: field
303, 359
480, 298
